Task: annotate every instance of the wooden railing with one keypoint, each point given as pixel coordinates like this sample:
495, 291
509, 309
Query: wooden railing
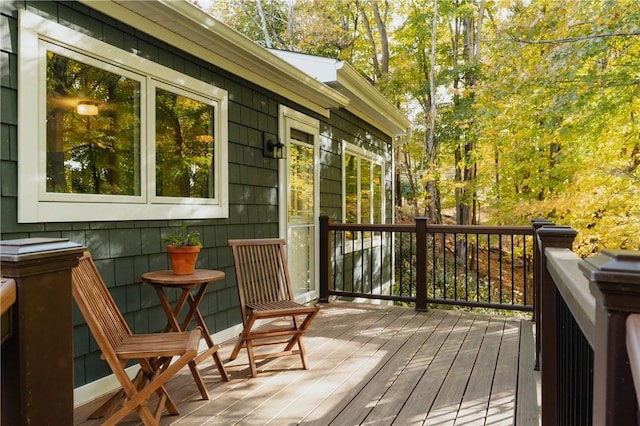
585, 346
420, 264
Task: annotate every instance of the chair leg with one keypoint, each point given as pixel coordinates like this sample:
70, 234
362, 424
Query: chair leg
109, 407
244, 337
162, 401
252, 361
303, 354
152, 368
198, 379
147, 418
223, 372
168, 403
237, 347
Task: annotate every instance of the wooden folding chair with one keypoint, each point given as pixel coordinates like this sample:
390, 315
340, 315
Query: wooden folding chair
153, 352
264, 287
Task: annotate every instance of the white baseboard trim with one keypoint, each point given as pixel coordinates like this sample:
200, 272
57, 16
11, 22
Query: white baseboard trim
98, 388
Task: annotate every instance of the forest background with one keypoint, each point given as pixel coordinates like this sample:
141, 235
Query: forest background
519, 109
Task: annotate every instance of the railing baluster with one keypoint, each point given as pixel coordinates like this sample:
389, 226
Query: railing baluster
478, 268
455, 266
444, 266
500, 266
489, 267
513, 280
525, 287
466, 267
399, 262
432, 238
371, 263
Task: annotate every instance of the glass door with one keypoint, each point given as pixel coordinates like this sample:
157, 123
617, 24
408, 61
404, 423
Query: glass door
301, 200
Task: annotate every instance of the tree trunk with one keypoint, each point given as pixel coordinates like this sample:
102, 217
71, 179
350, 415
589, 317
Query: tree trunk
432, 184
263, 25
466, 168
384, 38
412, 182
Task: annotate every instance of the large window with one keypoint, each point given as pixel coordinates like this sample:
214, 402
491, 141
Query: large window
363, 186
113, 135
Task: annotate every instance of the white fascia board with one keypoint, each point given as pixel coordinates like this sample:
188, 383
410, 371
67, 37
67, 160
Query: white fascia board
188, 28
365, 101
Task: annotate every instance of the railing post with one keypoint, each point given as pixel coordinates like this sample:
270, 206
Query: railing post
560, 237
37, 363
421, 263
325, 259
614, 281
537, 282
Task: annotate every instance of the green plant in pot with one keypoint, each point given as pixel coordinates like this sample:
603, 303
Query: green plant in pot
183, 248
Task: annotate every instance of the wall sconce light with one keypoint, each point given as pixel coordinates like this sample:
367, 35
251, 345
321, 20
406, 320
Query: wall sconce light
273, 146
87, 108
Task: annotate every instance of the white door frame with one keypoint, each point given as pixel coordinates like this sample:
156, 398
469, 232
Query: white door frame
289, 118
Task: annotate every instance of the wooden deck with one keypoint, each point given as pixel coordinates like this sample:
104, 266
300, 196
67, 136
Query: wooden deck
372, 364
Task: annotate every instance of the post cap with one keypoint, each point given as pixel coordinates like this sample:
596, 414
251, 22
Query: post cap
31, 248
614, 279
613, 266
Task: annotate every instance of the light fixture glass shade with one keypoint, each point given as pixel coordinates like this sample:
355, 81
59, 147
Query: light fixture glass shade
273, 147
87, 108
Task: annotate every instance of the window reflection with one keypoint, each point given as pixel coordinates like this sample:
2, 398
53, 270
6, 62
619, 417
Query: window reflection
98, 153
184, 146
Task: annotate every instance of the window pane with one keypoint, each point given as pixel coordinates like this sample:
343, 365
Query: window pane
377, 193
301, 184
365, 191
351, 184
95, 150
184, 146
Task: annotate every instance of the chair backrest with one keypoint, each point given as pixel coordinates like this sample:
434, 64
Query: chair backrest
261, 271
99, 309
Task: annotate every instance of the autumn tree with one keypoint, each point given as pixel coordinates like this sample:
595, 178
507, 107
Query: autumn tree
559, 113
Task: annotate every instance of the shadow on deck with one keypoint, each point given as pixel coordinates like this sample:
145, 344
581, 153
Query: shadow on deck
373, 364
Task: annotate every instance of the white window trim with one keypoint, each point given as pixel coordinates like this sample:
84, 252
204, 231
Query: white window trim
354, 245
348, 148
32, 205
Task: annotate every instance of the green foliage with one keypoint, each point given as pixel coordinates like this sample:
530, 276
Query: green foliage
183, 238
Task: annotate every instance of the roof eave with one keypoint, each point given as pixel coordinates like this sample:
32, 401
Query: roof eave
188, 28
367, 101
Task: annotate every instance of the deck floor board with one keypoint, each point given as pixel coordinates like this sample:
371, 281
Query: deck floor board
374, 365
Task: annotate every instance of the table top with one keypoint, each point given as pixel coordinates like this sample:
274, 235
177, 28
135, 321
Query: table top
168, 278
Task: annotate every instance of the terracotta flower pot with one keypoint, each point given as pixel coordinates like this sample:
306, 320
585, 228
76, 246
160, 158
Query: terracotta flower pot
183, 259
